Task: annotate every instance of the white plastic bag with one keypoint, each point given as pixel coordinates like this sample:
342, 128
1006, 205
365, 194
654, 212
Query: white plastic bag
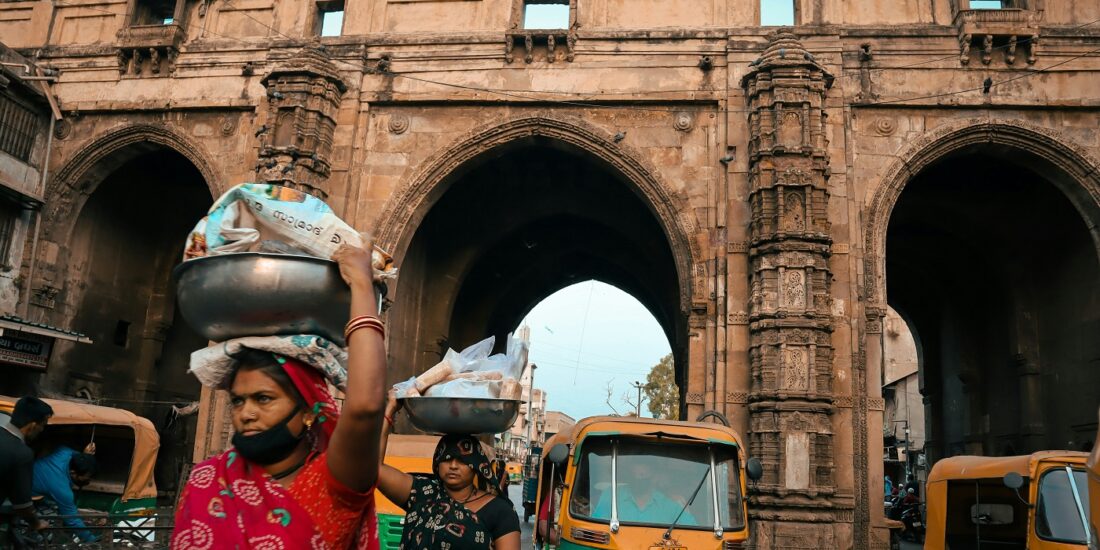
471, 389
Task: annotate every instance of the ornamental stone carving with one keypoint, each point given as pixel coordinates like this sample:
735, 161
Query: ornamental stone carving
303, 96
791, 356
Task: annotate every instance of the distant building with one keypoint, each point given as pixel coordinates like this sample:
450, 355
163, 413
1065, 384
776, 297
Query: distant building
903, 417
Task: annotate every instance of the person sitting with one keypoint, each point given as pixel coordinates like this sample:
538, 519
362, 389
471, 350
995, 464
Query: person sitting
639, 501
294, 477
457, 506
55, 475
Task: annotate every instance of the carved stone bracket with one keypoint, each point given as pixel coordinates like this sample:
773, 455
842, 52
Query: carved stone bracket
149, 50
1003, 29
540, 44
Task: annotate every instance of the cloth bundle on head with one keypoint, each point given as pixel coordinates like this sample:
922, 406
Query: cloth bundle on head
467, 449
214, 365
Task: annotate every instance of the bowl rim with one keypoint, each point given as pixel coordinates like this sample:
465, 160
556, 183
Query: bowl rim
241, 256
456, 397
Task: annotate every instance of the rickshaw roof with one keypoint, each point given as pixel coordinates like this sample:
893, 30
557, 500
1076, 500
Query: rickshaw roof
412, 446
993, 467
631, 425
139, 483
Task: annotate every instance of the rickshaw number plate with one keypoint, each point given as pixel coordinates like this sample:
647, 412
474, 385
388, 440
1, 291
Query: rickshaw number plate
661, 547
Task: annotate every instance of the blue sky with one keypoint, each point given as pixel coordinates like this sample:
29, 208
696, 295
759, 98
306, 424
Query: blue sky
587, 335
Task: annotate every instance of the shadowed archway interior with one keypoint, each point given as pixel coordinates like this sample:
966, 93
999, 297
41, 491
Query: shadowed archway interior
514, 226
997, 272
128, 236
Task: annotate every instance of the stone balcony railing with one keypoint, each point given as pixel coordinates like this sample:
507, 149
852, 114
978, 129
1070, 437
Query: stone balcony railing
1004, 29
149, 49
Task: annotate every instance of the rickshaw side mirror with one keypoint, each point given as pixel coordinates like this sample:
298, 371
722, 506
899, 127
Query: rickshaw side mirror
754, 469
1013, 481
558, 453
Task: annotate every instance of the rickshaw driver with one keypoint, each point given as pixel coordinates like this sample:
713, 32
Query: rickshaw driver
640, 501
54, 476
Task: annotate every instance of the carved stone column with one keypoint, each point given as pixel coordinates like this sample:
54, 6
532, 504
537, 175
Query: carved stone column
791, 395
303, 96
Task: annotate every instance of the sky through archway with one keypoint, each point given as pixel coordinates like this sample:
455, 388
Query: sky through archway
589, 335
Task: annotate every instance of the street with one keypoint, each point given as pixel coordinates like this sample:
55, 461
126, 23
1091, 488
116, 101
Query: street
515, 494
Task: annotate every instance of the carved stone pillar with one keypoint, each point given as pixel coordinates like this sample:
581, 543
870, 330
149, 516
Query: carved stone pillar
791, 394
303, 96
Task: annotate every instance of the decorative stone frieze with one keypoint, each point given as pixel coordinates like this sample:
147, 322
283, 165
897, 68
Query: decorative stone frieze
790, 347
303, 96
540, 45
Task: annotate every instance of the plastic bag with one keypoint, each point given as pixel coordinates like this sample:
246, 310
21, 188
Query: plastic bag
249, 214
472, 389
472, 373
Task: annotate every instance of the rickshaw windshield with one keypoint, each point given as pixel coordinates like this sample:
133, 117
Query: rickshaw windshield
654, 482
1056, 516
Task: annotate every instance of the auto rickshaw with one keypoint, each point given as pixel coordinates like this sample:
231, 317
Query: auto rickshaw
515, 471
411, 454
1036, 501
126, 452
603, 469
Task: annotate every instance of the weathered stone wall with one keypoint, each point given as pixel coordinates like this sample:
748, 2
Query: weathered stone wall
652, 90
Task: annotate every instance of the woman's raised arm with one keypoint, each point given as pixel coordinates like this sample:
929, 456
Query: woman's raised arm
354, 446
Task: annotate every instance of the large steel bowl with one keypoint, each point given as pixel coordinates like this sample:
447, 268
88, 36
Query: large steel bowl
259, 294
460, 415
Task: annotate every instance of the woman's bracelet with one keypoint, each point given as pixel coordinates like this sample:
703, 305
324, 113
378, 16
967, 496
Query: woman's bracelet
364, 321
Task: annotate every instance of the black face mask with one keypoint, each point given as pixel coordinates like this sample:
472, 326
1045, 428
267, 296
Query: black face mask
271, 445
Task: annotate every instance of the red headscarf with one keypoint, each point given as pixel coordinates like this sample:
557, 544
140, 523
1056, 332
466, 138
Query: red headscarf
231, 503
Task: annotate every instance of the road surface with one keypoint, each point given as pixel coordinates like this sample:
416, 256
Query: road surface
515, 494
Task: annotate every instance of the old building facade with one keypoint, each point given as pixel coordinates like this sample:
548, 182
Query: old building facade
765, 194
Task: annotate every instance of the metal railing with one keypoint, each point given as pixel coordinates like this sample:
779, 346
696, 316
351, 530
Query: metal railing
146, 532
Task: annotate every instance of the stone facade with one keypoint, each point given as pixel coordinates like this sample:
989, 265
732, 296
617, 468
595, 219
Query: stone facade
745, 185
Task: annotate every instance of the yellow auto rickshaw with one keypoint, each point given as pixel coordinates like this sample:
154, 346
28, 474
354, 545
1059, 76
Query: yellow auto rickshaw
640, 483
411, 454
126, 452
1036, 501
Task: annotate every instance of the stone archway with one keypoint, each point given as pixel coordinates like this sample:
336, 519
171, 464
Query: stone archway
990, 224
1078, 178
79, 177
580, 152
117, 215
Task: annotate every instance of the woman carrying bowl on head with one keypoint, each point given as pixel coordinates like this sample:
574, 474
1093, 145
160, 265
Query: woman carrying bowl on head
294, 477
457, 506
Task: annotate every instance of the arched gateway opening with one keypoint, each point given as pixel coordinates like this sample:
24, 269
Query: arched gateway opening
120, 242
991, 253
514, 224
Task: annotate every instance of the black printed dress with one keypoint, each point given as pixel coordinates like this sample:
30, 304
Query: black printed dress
435, 521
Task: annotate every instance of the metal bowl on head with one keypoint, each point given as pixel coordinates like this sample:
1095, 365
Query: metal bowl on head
260, 294
461, 415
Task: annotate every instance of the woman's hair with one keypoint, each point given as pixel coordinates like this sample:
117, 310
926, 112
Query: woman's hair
265, 362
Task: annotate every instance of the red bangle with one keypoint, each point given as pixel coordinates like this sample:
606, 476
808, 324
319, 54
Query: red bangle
388, 419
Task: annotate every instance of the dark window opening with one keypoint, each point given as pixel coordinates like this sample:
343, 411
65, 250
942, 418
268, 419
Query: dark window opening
122, 333
330, 19
18, 128
154, 12
545, 14
777, 13
9, 215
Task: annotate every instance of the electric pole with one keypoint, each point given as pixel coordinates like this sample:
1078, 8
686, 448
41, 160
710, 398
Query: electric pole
530, 403
638, 406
